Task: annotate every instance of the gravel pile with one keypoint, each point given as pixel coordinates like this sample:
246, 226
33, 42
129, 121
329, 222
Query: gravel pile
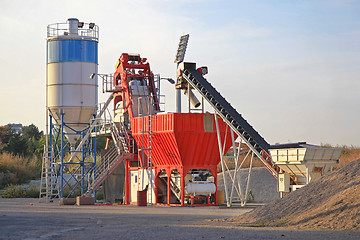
332, 202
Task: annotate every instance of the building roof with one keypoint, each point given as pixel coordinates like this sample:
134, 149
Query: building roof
293, 145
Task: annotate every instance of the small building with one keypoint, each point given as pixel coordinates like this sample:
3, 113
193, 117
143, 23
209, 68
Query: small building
16, 127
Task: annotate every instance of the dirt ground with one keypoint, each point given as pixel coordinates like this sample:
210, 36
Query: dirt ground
331, 202
28, 219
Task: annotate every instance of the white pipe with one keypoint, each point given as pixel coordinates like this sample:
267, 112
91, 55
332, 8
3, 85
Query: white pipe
222, 160
248, 180
236, 163
193, 99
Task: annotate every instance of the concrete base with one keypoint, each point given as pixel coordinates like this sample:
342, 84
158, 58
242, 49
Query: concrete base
67, 201
85, 201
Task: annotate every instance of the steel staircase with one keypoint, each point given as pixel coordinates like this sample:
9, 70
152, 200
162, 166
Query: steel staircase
120, 137
109, 162
173, 187
237, 123
49, 188
112, 159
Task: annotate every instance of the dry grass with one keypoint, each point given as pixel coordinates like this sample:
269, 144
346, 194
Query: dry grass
16, 169
350, 154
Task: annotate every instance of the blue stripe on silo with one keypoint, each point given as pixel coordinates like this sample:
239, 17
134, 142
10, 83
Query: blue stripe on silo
72, 51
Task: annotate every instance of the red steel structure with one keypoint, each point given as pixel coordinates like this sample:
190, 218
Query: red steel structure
179, 141
135, 67
182, 142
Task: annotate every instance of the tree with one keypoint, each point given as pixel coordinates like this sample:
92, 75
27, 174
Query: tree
40, 146
17, 145
5, 134
26, 144
32, 131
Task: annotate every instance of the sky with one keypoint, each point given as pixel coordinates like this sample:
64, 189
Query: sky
291, 68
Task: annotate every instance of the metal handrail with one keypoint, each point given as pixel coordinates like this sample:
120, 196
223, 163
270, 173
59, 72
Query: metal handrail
62, 29
107, 82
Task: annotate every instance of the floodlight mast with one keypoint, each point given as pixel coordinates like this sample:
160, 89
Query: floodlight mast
180, 55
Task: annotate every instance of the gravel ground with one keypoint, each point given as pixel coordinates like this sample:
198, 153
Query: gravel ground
332, 202
28, 219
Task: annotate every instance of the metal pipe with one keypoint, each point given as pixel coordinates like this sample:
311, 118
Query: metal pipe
62, 156
73, 26
178, 101
236, 163
307, 176
248, 180
240, 166
193, 99
222, 159
82, 166
51, 164
202, 104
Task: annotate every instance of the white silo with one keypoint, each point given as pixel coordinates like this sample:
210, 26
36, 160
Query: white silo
72, 56
71, 99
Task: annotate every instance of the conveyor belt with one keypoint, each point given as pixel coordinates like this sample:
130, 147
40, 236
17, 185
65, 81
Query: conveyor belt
225, 110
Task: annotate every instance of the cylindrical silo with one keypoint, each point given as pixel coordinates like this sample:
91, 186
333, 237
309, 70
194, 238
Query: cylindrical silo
72, 56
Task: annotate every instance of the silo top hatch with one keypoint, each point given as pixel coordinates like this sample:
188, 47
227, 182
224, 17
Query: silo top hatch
73, 29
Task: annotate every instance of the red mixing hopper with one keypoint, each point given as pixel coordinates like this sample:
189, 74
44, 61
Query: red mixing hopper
182, 140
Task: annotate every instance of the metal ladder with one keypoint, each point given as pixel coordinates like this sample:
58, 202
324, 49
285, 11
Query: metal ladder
149, 155
49, 188
145, 112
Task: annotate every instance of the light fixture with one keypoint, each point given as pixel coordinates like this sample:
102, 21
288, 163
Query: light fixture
203, 70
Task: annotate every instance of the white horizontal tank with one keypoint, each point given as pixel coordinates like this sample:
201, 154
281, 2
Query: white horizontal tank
72, 56
200, 188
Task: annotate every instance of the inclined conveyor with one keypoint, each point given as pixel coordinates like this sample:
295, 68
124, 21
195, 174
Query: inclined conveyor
225, 110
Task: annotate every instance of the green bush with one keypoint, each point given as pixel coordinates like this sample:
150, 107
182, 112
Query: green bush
18, 191
250, 196
16, 169
32, 191
99, 195
14, 191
